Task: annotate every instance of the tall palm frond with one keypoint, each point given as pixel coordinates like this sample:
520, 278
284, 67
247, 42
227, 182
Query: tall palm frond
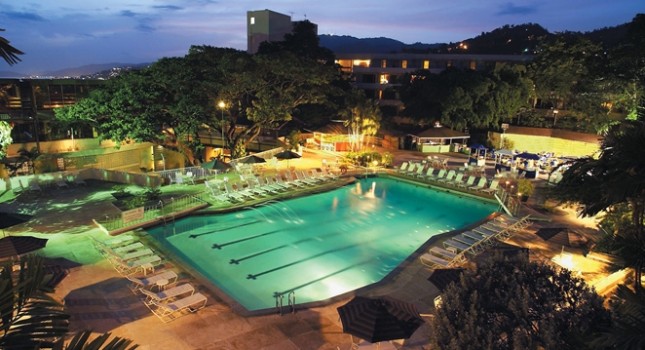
29, 318
80, 341
8, 52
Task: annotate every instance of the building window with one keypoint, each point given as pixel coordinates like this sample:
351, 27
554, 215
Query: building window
473, 65
252, 21
384, 78
426, 64
383, 63
404, 64
362, 63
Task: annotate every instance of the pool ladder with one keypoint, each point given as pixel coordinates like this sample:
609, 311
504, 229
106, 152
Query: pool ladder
291, 302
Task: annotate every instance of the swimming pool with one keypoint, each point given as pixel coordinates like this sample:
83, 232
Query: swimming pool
318, 246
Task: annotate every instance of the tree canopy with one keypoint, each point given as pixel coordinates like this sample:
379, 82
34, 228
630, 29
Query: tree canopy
466, 98
168, 102
517, 305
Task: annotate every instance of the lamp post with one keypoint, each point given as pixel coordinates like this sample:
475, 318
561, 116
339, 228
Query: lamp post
222, 105
555, 116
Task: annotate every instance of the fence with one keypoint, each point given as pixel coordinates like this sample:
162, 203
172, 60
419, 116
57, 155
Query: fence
159, 212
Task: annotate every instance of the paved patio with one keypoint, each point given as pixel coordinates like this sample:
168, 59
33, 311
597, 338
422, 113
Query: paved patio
97, 297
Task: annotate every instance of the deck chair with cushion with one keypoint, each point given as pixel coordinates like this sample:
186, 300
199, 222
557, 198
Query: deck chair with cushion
139, 283
175, 309
133, 255
481, 184
451, 175
167, 295
492, 188
142, 265
438, 176
468, 183
403, 168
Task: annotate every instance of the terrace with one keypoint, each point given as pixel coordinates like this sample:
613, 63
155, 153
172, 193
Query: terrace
97, 296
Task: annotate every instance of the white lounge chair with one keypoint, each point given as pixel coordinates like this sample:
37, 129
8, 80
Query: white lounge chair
143, 265
438, 176
492, 187
433, 261
169, 294
132, 255
170, 311
457, 180
149, 282
469, 182
428, 174
449, 177
481, 184
403, 168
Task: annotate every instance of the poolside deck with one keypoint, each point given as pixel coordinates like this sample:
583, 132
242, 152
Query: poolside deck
97, 296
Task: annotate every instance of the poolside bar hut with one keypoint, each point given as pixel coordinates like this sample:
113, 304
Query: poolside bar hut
439, 139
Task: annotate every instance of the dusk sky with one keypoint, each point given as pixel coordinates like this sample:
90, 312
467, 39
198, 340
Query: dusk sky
71, 33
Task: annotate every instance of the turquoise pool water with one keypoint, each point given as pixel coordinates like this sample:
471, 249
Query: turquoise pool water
318, 246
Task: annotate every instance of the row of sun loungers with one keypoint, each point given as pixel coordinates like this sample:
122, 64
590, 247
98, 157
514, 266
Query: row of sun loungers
474, 241
128, 256
160, 291
250, 188
166, 298
450, 177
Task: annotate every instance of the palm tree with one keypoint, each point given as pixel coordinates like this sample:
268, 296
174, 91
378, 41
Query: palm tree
8, 52
362, 118
617, 176
31, 319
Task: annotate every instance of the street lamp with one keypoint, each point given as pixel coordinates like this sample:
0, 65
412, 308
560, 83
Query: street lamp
222, 105
555, 116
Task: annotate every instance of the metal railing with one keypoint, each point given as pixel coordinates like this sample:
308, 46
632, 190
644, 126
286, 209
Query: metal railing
161, 211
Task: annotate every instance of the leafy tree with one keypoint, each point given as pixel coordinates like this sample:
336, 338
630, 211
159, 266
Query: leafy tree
362, 117
466, 98
5, 138
616, 177
169, 102
517, 305
560, 67
303, 41
9, 53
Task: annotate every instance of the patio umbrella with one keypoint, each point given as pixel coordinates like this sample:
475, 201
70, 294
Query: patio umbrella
379, 319
287, 154
11, 219
14, 246
217, 164
527, 155
252, 159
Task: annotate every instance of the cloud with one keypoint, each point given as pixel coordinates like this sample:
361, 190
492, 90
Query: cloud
167, 7
511, 9
128, 13
15, 15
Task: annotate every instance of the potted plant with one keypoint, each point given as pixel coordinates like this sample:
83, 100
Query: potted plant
525, 189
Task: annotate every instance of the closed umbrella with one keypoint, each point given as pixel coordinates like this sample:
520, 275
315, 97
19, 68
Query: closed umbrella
14, 246
379, 319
